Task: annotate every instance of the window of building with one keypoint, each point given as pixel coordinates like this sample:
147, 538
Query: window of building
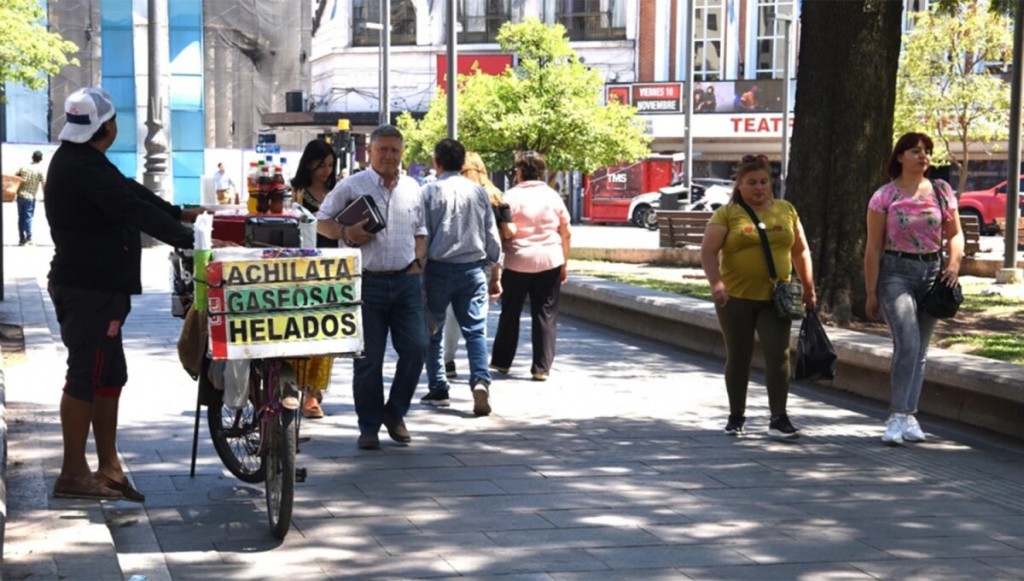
481, 19
590, 19
770, 45
911, 9
403, 22
708, 39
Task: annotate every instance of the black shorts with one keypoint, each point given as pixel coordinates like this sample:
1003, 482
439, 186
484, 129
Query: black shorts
96, 363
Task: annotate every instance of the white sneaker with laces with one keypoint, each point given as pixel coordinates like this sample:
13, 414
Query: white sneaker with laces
894, 427
912, 431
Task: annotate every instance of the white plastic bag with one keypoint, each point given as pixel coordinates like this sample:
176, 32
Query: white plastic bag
236, 383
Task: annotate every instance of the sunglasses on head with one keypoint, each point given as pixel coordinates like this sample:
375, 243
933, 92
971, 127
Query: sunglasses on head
753, 158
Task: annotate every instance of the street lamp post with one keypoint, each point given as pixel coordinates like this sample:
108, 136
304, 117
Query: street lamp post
453, 114
787, 23
385, 53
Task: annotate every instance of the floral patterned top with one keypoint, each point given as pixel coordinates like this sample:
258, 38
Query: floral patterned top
912, 223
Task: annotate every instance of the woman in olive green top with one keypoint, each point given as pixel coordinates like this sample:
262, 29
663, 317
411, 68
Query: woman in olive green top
735, 265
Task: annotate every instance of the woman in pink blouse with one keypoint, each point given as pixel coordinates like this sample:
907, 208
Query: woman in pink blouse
906, 225
536, 259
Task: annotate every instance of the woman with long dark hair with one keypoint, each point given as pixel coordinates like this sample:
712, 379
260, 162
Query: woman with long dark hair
906, 224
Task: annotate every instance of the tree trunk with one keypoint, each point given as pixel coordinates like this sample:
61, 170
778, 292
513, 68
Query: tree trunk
849, 54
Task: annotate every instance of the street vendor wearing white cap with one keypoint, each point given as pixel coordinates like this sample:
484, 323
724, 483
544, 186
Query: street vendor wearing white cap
95, 215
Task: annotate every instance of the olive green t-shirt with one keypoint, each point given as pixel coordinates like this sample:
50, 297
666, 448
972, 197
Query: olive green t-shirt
742, 263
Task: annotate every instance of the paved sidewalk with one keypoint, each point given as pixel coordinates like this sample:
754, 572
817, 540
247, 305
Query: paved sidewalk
616, 468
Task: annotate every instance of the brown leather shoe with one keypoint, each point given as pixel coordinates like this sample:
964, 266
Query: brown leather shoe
396, 429
368, 442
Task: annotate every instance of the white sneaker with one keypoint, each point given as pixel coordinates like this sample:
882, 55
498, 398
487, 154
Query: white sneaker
894, 429
912, 431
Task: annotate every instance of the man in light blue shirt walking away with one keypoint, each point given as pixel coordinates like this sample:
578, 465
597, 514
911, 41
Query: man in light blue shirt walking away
462, 242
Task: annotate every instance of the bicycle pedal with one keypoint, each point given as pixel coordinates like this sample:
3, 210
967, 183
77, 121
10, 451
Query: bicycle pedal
300, 474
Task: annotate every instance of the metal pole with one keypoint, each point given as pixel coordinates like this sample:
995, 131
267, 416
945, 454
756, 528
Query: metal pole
452, 73
3, 138
385, 53
1013, 187
688, 92
787, 22
156, 174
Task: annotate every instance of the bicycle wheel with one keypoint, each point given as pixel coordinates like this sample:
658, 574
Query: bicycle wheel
236, 438
279, 466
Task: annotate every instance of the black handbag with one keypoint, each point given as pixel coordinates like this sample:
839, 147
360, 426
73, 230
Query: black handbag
815, 356
786, 296
942, 301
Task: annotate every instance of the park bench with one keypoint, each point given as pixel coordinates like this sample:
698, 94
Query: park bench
1001, 222
680, 228
972, 234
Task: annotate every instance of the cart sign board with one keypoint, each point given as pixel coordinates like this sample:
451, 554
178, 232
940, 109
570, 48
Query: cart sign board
284, 303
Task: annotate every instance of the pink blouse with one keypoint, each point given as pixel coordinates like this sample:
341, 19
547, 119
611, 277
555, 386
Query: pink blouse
537, 211
913, 224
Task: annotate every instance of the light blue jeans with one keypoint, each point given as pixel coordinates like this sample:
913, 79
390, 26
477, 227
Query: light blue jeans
464, 287
902, 283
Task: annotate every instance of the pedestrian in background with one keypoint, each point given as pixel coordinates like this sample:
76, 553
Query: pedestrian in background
391, 288
905, 226
463, 245
536, 264
737, 270
223, 185
314, 178
32, 179
95, 215
475, 170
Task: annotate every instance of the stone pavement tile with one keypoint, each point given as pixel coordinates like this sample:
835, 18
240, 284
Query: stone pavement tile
946, 547
576, 538
518, 502
658, 557
780, 495
900, 492
522, 560
725, 531
507, 456
463, 521
767, 551
449, 542
816, 571
1013, 566
885, 527
593, 470
663, 574
414, 489
395, 524
908, 508
442, 476
767, 513
345, 508
619, 516
934, 569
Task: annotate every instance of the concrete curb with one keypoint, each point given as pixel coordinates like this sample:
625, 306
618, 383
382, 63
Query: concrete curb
690, 257
977, 391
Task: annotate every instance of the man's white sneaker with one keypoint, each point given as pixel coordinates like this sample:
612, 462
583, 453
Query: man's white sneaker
894, 427
912, 431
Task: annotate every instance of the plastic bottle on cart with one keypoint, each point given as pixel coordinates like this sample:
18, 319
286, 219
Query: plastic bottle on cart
263, 193
252, 187
278, 192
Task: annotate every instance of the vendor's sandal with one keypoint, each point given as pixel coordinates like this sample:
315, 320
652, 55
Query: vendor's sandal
312, 411
124, 488
86, 487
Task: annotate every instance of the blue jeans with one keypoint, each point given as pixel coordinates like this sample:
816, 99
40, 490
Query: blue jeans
902, 283
26, 209
464, 286
390, 303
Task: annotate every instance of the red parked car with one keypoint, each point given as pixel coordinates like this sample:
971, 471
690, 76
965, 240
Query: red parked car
987, 205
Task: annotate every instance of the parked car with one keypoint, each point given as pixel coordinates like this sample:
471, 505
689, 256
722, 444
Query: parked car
986, 205
708, 194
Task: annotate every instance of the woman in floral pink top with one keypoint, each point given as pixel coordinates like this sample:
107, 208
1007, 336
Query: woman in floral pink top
906, 225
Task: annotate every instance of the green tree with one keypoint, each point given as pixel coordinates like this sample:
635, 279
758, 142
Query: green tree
27, 48
945, 87
550, 103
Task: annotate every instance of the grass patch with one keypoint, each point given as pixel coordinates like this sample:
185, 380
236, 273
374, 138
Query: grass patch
1008, 348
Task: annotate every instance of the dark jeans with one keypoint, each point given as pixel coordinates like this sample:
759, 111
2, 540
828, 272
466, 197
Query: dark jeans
464, 287
26, 209
390, 304
740, 319
543, 289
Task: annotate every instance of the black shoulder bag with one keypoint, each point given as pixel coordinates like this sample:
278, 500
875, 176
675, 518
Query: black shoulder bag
941, 301
786, 296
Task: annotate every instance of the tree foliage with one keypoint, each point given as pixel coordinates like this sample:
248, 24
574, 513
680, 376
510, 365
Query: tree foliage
945, 88
550, 102
27, 48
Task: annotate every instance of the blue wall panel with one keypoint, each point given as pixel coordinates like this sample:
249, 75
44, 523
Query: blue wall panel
188, 135
118, 78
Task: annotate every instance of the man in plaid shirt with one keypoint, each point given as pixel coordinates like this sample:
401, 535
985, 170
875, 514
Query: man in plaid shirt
32, 179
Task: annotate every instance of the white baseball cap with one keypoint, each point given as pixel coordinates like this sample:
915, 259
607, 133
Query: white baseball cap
85, 110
